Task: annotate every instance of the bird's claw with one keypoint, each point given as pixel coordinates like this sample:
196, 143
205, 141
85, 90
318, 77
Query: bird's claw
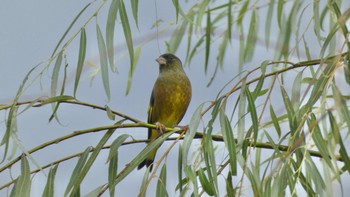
160, 128
183, 128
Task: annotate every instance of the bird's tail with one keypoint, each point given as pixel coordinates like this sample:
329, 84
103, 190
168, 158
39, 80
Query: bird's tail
148, 162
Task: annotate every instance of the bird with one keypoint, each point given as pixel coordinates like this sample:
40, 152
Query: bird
169, 100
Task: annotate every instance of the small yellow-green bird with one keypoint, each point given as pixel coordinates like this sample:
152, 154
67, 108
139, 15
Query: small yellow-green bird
170, 98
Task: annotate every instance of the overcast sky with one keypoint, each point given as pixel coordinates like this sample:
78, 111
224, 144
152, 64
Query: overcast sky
29, 32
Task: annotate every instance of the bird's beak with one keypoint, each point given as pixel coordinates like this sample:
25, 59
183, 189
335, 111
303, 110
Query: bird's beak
161, 60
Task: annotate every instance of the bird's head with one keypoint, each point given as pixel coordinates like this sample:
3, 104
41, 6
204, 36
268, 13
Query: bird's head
169, 61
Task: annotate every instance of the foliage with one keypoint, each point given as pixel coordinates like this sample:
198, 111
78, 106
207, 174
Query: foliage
247, 144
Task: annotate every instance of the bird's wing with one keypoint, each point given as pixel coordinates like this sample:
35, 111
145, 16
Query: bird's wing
150, 110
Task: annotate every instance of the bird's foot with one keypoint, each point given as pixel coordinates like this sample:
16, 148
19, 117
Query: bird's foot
184, 128
160, 128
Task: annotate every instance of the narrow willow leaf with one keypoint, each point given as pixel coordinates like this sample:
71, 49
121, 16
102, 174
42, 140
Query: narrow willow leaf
23, 183
103, 61
177, 8
222, 49
110, 114
280, 12
314, 171
132, 69
77, 169
242, 12
161, 184
96, 192
320, 143
194, 49
229, 141
192, 176
113, 161
141, 156
179, 167
316, 17
329, 40
275, 121
81, 59
303, 180
176, 37
251, 38
209, 159
289, 108
229, 186
206, 185
229, 20
135, 7
49, 190
10, 125
268, 22
341, 104
338, 139
207, 41
296, 91
57, 99
55, 73
320, 85
68, 29
143, 187
110, 27
194, 123
253, 114
202, 9
127, 33
92, 158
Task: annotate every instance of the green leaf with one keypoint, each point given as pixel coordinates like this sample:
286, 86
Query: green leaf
206, 185
161, 184
177, 8
227, 134
253, 114
207, 42
132, 69
192, 176
341, 104
289, 107
50, 186
110, 114
110, 27
141, 156
77, 170
134, 7
10, 123
68, 29
268, 22
338, 139
55, 73
57, 99
81, 59
251, 38
296, 91
176, 37
95, 192
144, 185
320, 143
194, 123
127, 33
92, 158
179, 167
113, 161
23, 183
275, 121
103, 61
